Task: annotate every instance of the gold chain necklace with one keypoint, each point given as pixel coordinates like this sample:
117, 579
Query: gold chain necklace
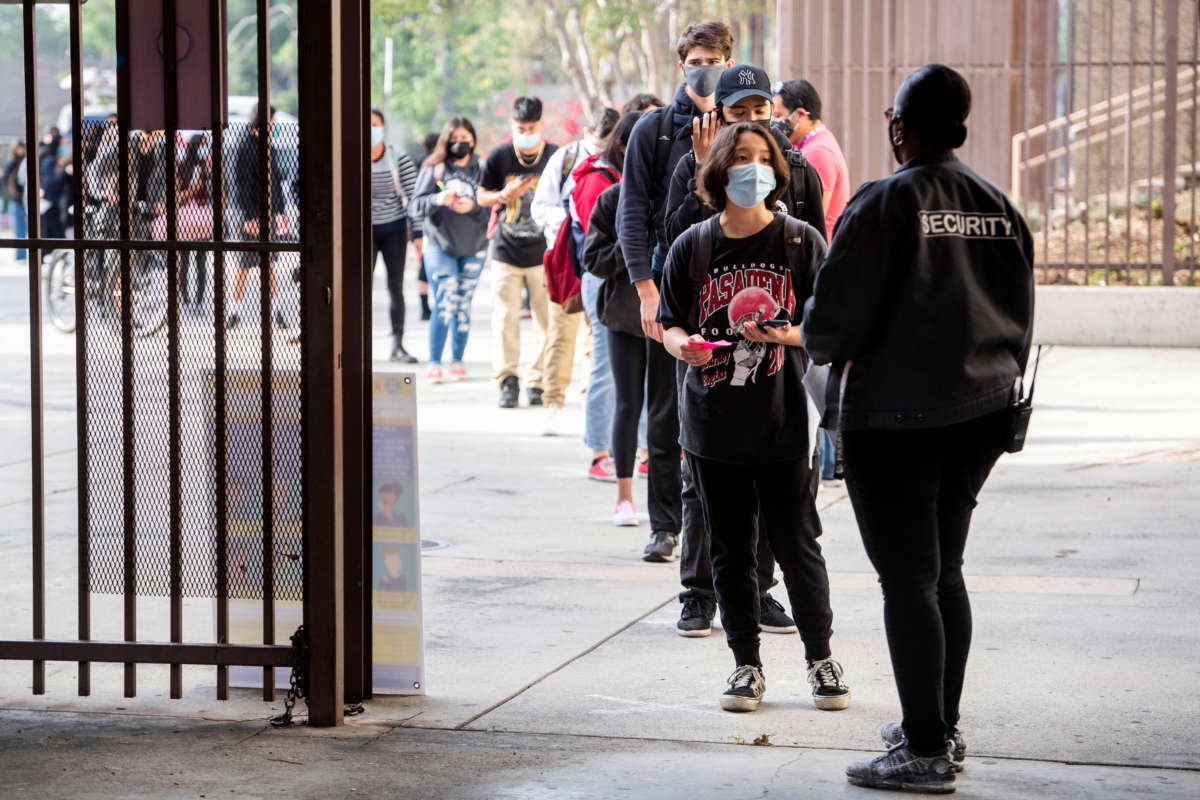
529, 161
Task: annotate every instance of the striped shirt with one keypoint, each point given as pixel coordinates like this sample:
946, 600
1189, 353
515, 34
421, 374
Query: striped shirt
386, 205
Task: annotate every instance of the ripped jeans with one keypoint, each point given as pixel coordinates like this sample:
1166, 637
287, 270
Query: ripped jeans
452, 282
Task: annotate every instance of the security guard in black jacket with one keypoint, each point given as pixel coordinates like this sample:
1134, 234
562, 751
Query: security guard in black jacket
924, 305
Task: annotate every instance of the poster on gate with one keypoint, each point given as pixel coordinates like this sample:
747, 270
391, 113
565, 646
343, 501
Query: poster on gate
397, 645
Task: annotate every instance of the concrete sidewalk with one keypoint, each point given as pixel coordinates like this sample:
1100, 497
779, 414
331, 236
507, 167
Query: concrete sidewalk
554, 671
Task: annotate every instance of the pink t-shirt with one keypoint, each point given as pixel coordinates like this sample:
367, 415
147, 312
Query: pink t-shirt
823, 152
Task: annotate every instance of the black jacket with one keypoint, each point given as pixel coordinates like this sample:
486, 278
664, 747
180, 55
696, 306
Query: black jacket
928, 290
617, 306
803, 197
640, 214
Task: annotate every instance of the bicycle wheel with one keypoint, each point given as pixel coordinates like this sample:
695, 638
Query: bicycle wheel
149, 294
60, 290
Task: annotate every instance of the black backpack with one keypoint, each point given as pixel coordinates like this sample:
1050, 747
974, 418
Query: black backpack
703, 234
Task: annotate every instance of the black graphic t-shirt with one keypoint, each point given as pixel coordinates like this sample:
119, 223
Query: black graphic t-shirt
518, 240
747, 405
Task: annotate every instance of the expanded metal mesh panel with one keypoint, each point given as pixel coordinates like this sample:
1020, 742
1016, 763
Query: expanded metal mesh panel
261, 361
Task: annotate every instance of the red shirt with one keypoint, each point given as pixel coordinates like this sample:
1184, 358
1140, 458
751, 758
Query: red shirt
822, 151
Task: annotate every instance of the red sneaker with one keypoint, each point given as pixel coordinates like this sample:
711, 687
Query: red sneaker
643, 468
434, 375
458, 372
603, 469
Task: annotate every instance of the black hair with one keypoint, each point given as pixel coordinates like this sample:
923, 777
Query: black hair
641, 102
254, 114
441, 147
799, 93
375, 112
934, 102
430, 142
527, 109
614, 145
603, 121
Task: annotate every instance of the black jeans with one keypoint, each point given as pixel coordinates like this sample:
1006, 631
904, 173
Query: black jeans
913, 493
391, 239
783, 496
643, 365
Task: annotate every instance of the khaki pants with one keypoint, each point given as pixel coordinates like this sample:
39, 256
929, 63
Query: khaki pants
560, 353
507, 283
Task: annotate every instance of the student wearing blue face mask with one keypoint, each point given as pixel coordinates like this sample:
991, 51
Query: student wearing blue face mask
733, 289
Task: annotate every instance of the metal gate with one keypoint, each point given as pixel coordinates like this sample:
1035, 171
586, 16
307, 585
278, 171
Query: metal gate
1084, 110
218, 444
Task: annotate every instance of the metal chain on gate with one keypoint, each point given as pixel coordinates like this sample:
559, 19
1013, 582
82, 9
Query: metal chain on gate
299, 678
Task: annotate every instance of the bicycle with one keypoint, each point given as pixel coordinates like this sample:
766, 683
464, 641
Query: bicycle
148, 284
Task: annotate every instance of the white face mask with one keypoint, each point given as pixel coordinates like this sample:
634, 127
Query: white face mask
527, 141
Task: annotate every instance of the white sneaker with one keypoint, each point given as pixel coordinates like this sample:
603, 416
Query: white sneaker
625, 515
550, 421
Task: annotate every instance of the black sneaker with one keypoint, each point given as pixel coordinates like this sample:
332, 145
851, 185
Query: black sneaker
280, 322
232, 321
902, 769
829, 691
535, 396
892, 734
746, 687
662, 547
510, 391
695, 620
772, 618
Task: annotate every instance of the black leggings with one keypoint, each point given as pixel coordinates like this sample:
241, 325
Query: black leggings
391, 239
189, 260
913, 493
783, 499
638, 362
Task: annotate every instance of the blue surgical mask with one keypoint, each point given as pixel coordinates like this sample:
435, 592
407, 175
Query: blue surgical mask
376, 136
749, 184
703, 80
527, 141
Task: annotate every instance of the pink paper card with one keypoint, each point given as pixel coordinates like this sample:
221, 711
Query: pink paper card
711, 345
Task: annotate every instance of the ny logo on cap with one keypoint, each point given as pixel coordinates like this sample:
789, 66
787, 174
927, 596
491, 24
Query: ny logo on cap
746, 77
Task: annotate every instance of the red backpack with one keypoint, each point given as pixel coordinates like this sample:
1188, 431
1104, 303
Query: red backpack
562, 262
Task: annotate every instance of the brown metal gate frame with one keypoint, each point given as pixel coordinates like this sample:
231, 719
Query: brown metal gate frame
334, 47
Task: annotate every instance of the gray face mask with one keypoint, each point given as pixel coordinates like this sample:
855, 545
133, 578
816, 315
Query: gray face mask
703, 80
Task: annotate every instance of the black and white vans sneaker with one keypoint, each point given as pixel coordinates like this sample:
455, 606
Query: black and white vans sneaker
829, 691
892, 734
772, 618
746, 687
902, 769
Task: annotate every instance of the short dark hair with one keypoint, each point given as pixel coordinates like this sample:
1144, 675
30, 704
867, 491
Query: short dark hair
527, 109
934, 101
713, 35
641, 101
714, 175
800, 93
271, 114
614, 145
430, 141
603, 120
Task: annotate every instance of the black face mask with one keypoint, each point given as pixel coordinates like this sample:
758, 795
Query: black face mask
784, 126
460, 149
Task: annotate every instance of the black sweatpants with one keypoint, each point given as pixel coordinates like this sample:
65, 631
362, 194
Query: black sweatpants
783, 497
642, 366
913, 493
695, 563
391, 239
193, 261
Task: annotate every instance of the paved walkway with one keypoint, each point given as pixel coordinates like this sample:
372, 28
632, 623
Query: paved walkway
553, 669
